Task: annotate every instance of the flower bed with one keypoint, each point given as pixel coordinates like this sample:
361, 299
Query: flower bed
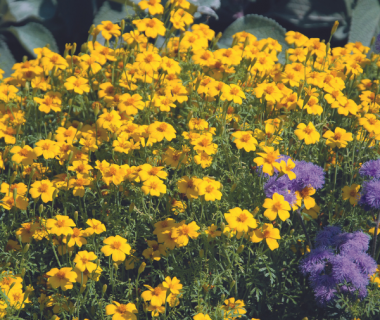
169, 177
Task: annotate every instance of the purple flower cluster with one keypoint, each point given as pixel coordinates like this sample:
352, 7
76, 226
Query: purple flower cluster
307, 174
370, 195
338, 263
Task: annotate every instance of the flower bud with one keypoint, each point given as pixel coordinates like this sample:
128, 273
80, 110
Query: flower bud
15, 194
13, 177
23, 144
232, 284
55, 193
49, 135
22, 273
76, 216
82, 288
70, 156
233, 187
291, 231
104, 289
74, 48
201, 253
256, 211
80, 125
240, 249
141, 268
19, 238
68, 238
131, 207
335, 26
115, 266
122, 25
26, 248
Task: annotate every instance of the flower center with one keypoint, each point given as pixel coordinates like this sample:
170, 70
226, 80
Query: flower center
60, 275
116, 245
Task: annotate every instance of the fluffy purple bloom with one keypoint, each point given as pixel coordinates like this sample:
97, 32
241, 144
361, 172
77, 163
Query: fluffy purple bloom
370, 197
377, 44
307, 174
276, 184
370, 169
338, 261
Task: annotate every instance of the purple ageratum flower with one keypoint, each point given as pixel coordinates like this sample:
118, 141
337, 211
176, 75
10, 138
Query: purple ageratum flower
370, 197
370, 169
339, 260
377, 44
307, 174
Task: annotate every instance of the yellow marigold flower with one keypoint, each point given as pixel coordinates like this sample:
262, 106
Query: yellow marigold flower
16, 298
8, 202
130, 104
95, 275
134, 37
267, 232
83, 261
9, 189
109, 29
160, 130
286, 168
350, 107
77, 238
370, 123
68, 135
63, 278
276, 206
233, 307
154, 251
152, 27
148, 61
201, 316
12, 246
95, 227
240, 220
269, 91
124, 146
308, 133
182, 232
78, 84
212, 232
154, 186
47, 148
147, 172
188, 186
47, 104
78, 184
156, 310
61, 225
204, 144
233, 93
117, 247
114, 174
26, 231
44, 189
338, 139
203, 159
297, 54
108, 119
173, 285
121, 311
244, 139
204, 30
295, 37
52, 59
351, 193
305, 195
7, 92
8, 280
81, 167
172, 300
210, 189
156, 296
268, 159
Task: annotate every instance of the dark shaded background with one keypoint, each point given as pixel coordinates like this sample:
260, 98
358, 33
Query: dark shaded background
70, 20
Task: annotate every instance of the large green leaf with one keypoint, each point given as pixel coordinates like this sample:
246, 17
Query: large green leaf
214, 4
365, 21
34, 35
18, 11
261, 27
6, 59
113, 12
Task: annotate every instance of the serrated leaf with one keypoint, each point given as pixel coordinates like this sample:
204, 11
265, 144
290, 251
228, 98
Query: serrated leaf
215, 4
21, 10
34, 35
207, 11
113, 12
260, 26
365, 21
6, 59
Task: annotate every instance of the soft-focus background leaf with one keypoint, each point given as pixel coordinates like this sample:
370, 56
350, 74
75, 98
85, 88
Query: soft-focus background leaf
34, 35
260, 26
18, 11
6, 58
365, 21
113, 11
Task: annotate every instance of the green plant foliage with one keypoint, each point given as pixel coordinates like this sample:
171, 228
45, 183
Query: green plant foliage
260, 26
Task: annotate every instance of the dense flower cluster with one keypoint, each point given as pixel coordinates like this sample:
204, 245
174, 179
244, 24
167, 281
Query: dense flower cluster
339, 263
158, 173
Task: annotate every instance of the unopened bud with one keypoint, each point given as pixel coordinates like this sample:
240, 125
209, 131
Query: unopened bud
335, 26
80, 125
49, 135
55, 193
13, 177
142, 268
76, 216
201, 253
22, 273
233, 187
68, 238
23, 144
232, 283
115, 266
240, 249
291, 231
122, 25
70, 156
19, 238
104, 289
26, 248
255, 211
131, 207
82, 288
15, 194
74, 48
